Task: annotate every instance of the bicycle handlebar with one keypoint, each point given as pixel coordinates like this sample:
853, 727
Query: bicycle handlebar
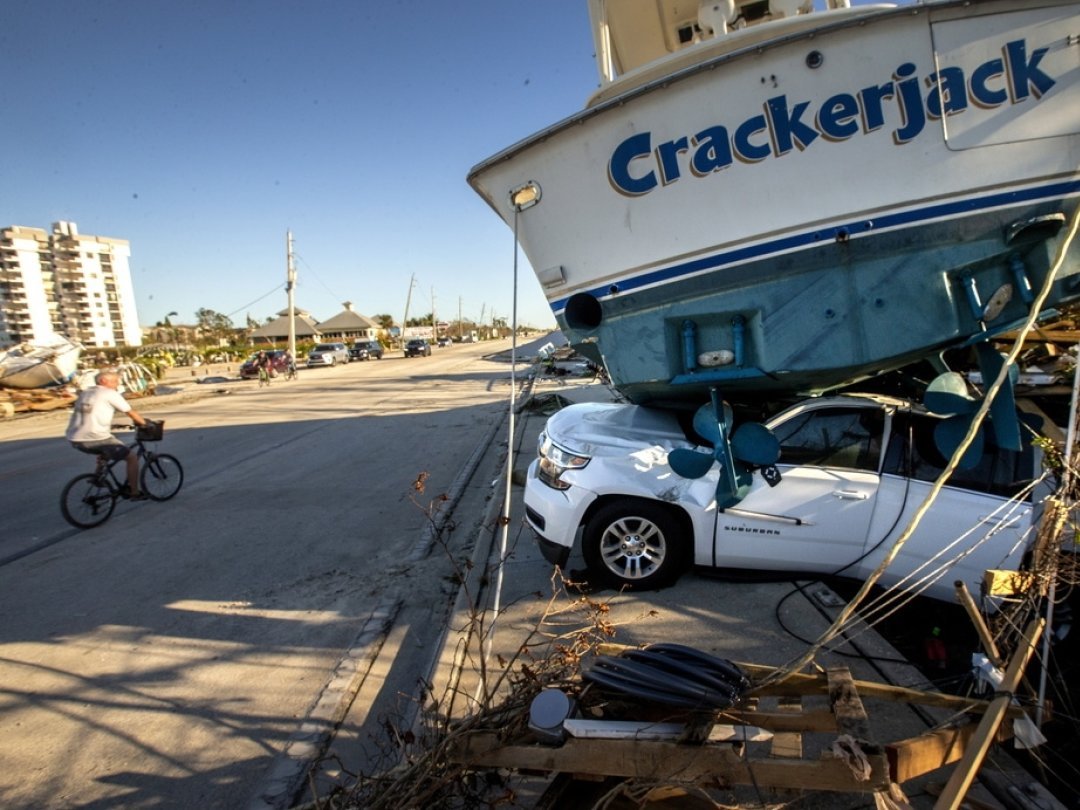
132, 426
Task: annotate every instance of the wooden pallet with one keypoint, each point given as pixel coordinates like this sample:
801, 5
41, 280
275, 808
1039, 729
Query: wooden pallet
853, 762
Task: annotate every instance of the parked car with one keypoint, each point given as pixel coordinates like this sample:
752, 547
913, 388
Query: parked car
854, 470
366, 350
417, 347
328, 354
279, 363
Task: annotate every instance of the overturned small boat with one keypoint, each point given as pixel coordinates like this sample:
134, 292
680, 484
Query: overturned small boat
40, 363
769, 199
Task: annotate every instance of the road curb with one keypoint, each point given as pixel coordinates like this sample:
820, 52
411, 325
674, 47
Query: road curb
457, 487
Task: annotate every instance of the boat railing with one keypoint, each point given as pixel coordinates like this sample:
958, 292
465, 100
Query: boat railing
646, 53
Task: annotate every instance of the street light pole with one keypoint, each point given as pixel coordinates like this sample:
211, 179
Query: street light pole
290, 284
172, 329
408, 298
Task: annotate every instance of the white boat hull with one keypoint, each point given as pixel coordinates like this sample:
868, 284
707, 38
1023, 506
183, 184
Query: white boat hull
812, 210
39, 366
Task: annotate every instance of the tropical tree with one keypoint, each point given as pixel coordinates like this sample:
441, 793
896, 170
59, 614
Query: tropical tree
213, 324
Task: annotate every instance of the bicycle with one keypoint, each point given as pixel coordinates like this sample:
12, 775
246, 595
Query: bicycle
290, 372
89, 499
264, 376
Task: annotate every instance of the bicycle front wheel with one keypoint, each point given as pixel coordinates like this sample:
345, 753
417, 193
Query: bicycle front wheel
86, 501
161, 477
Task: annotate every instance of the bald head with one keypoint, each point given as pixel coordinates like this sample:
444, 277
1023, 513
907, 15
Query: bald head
108, 378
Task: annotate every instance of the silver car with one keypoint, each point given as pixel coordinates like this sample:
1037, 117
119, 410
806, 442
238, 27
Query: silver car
328, 354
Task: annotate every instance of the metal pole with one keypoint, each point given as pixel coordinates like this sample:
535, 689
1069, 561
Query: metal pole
408, 298
520, 199
1051, 595
290, 285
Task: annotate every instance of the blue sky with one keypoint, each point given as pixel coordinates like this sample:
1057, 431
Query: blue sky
202, 130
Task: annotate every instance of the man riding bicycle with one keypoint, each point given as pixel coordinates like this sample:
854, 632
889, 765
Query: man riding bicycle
90, 428
262, 363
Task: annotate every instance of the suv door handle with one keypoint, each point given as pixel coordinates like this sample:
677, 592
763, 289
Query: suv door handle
1007, 522
850, 495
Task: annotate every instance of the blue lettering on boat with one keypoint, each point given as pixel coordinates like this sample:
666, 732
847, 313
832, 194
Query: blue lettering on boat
637, 166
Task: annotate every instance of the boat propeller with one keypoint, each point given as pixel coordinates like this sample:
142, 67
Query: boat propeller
738, 452
948, 394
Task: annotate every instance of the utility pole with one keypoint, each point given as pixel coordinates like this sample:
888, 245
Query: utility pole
459, 320
408, 298
434, 323
290, 285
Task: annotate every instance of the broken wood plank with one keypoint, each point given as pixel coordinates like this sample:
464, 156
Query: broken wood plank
788, 744
844, 699
658, 761
1008, 583
1038, 335
802, 684
647, 730
963, 595
927, 752
805, 721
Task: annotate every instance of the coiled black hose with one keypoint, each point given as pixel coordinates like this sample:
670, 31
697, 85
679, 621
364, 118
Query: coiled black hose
671, 674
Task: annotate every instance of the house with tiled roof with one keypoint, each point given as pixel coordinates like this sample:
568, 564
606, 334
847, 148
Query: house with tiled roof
277, 331
349, 325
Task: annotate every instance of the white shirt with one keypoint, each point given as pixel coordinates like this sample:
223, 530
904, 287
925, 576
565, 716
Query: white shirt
91, 419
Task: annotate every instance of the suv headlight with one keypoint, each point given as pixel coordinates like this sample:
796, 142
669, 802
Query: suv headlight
555, 460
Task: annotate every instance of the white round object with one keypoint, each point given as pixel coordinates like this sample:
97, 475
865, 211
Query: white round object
720, 357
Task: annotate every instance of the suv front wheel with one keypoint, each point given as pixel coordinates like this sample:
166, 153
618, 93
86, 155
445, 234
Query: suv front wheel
633, 543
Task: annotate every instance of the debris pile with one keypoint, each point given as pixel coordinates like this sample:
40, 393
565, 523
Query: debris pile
424, 771
136, 381
14, 400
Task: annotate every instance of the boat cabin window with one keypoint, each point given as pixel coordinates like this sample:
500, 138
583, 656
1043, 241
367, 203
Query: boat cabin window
849, 438
752, 12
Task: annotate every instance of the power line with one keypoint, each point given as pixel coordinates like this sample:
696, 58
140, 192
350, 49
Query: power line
277, 288
317, 278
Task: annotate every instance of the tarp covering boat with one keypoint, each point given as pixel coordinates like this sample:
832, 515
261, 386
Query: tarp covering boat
39, 364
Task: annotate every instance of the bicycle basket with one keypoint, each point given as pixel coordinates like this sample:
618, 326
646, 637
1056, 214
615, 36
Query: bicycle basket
150, 432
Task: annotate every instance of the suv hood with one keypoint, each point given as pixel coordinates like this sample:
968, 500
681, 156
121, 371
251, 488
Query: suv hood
606, 429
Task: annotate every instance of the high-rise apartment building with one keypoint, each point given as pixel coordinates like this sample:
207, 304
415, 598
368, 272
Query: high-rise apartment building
67, 283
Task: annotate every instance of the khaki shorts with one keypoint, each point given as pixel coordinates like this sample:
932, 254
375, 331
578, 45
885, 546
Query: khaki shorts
111, 448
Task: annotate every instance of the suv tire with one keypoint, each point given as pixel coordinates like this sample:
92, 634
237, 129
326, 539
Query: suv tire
634, 543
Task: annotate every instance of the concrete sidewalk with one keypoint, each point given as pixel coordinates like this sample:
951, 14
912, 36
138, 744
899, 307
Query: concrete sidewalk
766, 623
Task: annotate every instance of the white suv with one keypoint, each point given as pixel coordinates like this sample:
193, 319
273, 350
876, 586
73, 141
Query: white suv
328, 354
854, 469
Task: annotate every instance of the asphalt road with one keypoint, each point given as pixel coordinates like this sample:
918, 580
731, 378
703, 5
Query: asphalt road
166, 658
